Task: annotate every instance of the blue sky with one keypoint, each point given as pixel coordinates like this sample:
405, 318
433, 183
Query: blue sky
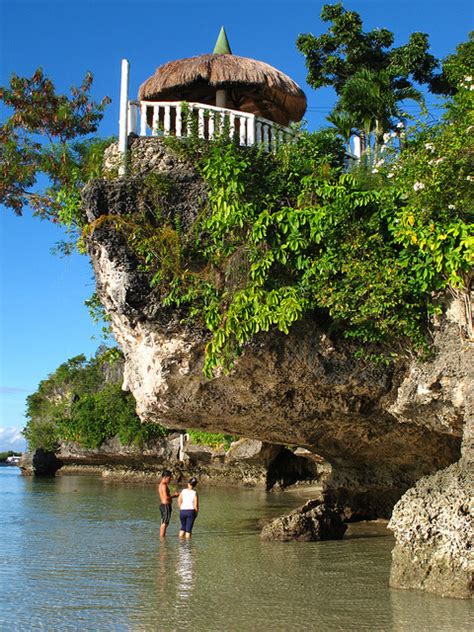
43, 320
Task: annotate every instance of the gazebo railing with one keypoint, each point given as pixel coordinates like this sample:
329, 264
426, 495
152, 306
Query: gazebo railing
182, 119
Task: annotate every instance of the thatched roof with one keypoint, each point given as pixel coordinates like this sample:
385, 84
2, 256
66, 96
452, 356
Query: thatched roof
248, 81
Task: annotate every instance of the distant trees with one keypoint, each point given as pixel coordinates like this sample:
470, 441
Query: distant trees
82, 401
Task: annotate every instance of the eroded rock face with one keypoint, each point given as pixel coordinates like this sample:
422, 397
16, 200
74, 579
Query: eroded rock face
313, 521
380, 427
433, 527
112, 452
40, 463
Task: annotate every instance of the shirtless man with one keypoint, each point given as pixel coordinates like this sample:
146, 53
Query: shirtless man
165, 501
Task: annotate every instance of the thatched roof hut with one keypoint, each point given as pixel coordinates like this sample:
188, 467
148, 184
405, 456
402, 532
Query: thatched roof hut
228, 80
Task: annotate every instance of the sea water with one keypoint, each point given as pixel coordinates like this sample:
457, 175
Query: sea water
81, 553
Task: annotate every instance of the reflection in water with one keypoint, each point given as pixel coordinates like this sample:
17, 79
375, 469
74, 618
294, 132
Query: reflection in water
185, 570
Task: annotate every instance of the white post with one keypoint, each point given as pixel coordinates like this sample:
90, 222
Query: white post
265, 136
201, 123
243, 126
167, 120
123, 131
132, 117
251, 131
156, 120
258, 132
183, 439
143, 121
178, 121
221, 98
181, 447
357, 148
211, 125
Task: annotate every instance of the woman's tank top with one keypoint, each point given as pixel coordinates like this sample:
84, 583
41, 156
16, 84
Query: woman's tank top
187, 498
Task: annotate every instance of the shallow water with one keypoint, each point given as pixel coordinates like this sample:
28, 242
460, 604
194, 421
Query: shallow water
80, 553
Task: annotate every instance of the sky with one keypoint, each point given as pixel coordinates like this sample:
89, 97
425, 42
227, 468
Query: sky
43, 320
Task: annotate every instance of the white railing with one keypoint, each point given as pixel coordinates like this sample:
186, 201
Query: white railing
181, 119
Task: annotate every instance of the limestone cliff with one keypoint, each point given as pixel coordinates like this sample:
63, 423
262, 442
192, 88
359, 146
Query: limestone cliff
381, 427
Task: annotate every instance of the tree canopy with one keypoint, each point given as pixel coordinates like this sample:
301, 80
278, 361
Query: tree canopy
41, 137
371, 77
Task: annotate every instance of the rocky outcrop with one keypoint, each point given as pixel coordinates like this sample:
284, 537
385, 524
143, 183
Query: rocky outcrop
247, 462
433, 526
381, 427
313, 521
40, 463
112, 452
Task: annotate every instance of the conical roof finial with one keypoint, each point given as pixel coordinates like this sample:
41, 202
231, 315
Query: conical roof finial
222, 46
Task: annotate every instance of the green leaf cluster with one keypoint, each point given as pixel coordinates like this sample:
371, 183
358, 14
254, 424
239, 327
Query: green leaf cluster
79, 403
291, 235
213, 439
41, 137
371, 77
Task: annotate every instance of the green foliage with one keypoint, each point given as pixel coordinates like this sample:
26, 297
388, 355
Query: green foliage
433, 176
99, 316
41, 433
215, 440
339, 54
40, 137
287, 235
78, 403
370, 77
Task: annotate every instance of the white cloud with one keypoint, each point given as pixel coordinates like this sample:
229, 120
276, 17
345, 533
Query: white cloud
12, 439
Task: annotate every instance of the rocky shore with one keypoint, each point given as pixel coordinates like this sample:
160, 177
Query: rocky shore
247, 462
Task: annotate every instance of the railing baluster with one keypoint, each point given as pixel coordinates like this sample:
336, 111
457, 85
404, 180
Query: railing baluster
156, 120
167, 120
179, 121
266, 137
143, 109
211, 125
242, 131
189, 121
258, 132
209, 121
251, 131
201, 123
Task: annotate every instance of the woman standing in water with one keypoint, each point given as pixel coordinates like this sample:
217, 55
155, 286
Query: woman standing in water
188, 502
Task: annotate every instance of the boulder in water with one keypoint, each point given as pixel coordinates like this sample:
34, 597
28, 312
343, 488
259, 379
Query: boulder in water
313, 521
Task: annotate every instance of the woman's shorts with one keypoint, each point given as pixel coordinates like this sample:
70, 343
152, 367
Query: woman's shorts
187, 517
